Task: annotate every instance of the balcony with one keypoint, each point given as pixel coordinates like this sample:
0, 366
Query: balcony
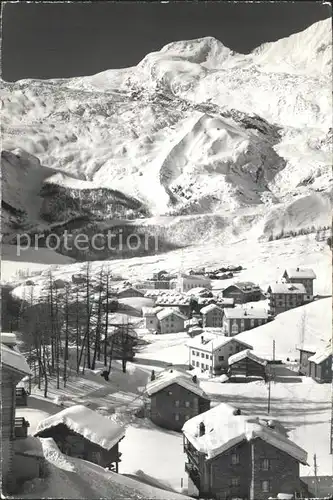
193, 473
191, 452
21, 427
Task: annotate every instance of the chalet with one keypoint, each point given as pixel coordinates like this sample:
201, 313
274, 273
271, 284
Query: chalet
174, 399
320, 365
121, 343
59, 284
247, 364
211, 352
239, 319
301, 275
285, 296
170, 321
82, 433
79, 279
150, 318
212, 315
13, 369
185, 282
243, 292
231, 455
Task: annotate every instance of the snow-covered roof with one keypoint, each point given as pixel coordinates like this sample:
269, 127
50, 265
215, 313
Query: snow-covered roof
221, 301
150, 311
86, 422
301, 272
169, 311
174, 377
242, 313
195, 277
289, 288
8, 339
245, 286
209, 308
212, 342
225, 429
11, 357
321, 356
247, 353
198, 290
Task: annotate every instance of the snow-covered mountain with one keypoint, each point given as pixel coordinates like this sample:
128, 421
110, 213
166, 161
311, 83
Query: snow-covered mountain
192, 129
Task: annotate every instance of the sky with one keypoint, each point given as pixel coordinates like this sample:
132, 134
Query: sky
60, 40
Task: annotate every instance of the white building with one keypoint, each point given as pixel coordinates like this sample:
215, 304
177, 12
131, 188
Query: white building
211, 352
185, 282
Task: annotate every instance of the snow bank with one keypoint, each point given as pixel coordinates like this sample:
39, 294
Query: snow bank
74, 478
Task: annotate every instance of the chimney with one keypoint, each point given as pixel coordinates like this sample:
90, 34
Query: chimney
297, 269
202, 429
202, 339
245, 313
194, 379
237, 411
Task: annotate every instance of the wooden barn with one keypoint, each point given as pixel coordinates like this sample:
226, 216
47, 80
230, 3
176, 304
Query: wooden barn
247, 364
82, 433
320, 365
175, 398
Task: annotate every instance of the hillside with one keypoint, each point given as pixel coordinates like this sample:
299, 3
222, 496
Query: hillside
192, 129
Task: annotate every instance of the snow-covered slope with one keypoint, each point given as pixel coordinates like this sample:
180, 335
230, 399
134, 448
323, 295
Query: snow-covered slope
193, 128
74, 478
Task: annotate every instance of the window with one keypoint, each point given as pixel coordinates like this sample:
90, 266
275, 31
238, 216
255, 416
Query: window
197, 363
193, 353
202, 355
235, 481
202, 366
210, 357
169, 393
177, 416
187, 417
265, 486
265, 464
193, 363
252, 322
151, 321
221, 358
235, 459
207, 356
177, 402
187, 404
207, 367
259, 321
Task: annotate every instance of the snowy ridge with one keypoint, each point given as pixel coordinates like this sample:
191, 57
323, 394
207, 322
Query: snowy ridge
224, 429
179, 134
93, 426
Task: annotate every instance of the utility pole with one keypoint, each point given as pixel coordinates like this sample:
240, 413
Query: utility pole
269, 394
315, 468
273, 350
